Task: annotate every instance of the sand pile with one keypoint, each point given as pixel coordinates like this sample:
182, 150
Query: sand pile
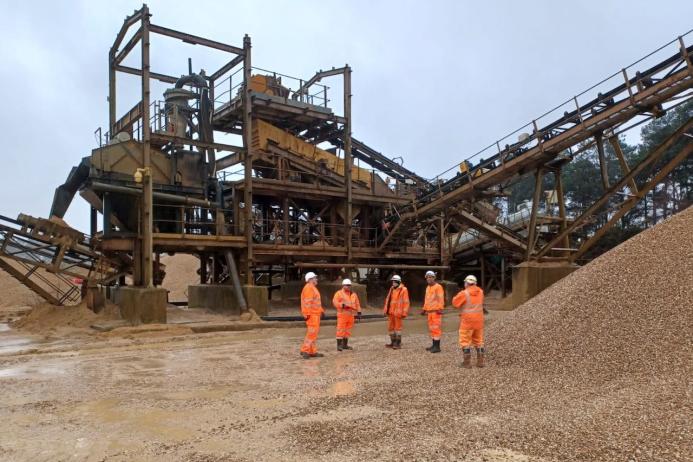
46, 318
181, 271
630, 310
596, 368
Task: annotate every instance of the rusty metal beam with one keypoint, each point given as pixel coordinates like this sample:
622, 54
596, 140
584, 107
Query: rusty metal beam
248, 161
138, 72
368, 265
21, 277
195, 40
631, 202
132, 43
616, 145
488, 229
599, 138
319, 76
532, 231
226, 67
127, 24
644, 163
200, 144
613, 115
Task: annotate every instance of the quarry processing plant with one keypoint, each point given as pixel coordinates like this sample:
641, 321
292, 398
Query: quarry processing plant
298, 191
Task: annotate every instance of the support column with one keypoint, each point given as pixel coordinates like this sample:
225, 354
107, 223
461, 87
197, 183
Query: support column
111, 92
616, 145
531, 236
93, 221
504, 292
602, 160
348, 219
147, 196
248, 164
285, 218
561, 210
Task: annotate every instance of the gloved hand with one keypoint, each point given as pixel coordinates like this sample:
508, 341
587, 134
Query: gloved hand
344, 307
306, 318
322, 315
440, 312
358, 316
423, 313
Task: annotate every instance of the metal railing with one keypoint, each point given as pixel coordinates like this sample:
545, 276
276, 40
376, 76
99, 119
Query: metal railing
229, 89
618, 86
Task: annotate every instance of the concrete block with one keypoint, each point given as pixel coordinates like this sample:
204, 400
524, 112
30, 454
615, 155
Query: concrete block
222, 298
530, 278
142, 304
257, 298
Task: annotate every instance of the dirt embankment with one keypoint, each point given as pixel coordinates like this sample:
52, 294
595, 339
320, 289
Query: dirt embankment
45, 318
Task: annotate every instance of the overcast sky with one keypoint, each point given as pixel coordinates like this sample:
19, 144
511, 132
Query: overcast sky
432, 81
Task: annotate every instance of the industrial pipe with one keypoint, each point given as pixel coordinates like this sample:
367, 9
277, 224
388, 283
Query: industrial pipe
369, 265
326, 318
233, 272
97, 186
195, 79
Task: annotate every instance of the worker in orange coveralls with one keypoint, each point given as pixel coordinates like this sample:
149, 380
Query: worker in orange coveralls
396, 309
347, 304
312, 311
434, 304
471, 301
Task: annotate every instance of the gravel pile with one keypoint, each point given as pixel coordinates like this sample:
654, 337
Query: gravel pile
596, 368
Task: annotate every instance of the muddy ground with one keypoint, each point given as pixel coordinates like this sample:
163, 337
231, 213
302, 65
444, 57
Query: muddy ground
208, 397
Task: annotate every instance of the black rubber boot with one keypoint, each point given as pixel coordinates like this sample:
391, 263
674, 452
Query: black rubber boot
345, 344
339, 344
317, 355
436, 346
480, 352
393, 340
467, 358
398, 342
305, 355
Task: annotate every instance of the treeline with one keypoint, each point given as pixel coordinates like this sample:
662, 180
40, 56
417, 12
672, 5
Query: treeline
582, 183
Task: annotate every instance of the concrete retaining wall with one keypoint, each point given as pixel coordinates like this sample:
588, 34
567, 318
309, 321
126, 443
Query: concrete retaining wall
142, 305
222, 298
530, 278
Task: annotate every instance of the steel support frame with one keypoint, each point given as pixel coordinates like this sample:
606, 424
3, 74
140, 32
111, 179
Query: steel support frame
632, 201
648, 161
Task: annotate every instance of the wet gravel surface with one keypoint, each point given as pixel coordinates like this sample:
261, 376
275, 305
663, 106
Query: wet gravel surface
597, 368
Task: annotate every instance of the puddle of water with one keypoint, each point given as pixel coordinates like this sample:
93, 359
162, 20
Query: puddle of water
29, 371
151, 421
11, 343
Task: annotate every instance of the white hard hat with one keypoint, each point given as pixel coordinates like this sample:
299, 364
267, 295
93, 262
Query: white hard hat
396, 278
346, 282
471, 279
310, 275
430, 273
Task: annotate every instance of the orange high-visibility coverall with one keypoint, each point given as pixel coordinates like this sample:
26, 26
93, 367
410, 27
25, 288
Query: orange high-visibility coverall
347, 305
471, 301
434, 303
311, 309
396, 308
